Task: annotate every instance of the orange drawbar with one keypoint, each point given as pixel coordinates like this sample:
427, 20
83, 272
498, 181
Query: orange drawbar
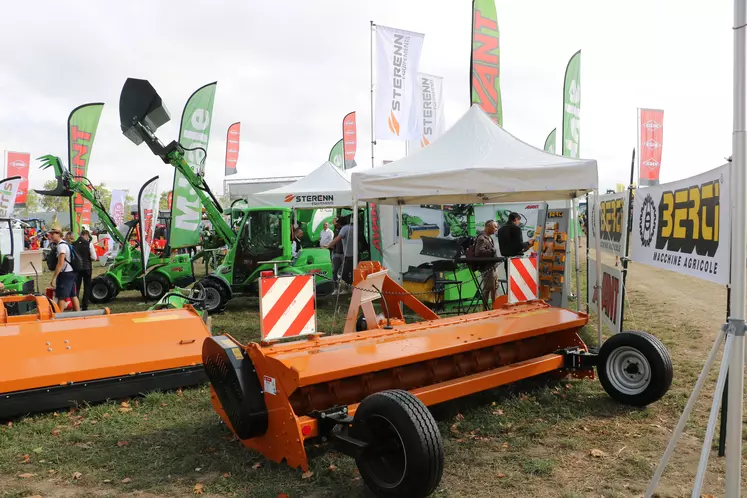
53, 360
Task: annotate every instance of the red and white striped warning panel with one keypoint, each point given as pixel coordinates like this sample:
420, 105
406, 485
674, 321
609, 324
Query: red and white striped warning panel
287, 306
522, 279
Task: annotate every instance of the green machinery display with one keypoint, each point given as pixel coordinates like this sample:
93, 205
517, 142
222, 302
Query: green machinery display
258, 239
12, 283
126, 273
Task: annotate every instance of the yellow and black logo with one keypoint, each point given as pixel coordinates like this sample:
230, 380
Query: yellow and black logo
612, 219
688, 220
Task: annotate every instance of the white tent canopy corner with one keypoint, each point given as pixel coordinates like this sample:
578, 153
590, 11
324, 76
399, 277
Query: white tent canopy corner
325, 187
476, 161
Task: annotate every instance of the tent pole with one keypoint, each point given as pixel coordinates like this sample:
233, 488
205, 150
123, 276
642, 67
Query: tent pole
738, 255
574, 220
598, 251
355, 234
401, 244
373, 139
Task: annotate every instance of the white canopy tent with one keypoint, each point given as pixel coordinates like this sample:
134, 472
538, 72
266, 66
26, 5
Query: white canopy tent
326, 186
476, 161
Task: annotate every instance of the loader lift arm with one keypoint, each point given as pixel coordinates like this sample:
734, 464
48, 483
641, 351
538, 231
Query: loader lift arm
67, 186
141, 112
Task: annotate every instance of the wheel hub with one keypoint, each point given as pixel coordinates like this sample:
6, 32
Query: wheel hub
628, 370
212, 298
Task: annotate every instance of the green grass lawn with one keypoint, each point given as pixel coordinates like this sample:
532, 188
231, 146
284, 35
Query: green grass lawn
533, 438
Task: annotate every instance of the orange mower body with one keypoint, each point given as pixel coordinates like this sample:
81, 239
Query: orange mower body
53, 360
275, 396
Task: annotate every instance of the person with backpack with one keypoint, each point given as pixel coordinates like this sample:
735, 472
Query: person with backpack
63, 261
84, 248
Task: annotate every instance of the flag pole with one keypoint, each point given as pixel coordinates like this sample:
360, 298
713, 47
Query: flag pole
373, 140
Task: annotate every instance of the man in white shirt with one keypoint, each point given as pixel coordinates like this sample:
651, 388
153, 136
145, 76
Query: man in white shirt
327, 235
63, 279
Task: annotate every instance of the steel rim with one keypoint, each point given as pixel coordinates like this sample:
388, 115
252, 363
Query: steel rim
628, 370
212, 298
99, 290
154, 288
386, 458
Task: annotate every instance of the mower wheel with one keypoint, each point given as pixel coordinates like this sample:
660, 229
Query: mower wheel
103, 289
405, 456
156, 285
216, 296
634, 368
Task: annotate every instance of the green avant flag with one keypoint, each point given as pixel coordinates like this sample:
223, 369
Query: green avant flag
337, 155
81, 130
550, 142
485, 84
572, 107
186, 210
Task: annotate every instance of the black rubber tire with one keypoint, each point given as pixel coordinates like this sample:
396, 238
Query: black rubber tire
401, 432
212, 286
156, 278
106, 284
659, 361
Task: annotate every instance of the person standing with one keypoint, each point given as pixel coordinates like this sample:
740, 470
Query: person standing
63, 279
296, 244
338, 254
326, 236
485, 248
346, 236
87, 253
511, 240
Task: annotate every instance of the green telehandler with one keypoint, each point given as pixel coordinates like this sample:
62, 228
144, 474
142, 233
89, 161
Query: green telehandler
126, 273
258, 238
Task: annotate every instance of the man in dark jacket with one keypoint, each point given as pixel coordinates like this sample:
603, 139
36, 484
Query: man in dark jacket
87, 253
485, 248
511, 239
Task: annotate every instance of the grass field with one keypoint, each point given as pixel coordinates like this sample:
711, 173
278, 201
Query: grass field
529, 439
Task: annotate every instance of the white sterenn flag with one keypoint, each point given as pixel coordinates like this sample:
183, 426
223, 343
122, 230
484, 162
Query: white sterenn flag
397, 61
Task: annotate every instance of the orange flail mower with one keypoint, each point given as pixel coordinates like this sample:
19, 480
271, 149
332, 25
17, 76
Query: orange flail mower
366, 391
54, 360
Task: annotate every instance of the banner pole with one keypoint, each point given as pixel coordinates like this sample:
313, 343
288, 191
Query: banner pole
629, 214
638, 141
373, 139
598, 262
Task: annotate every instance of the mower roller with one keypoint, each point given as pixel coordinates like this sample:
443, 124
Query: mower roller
54, 360
366, 391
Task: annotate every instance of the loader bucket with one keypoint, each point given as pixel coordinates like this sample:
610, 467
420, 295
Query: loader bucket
54, 360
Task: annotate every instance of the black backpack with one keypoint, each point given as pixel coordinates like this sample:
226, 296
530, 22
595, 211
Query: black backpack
53, 254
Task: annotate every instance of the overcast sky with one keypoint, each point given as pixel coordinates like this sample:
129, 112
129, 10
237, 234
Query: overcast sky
290, 71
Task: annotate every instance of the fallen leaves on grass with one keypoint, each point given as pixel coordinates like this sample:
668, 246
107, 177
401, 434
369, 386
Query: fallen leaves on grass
307, 475
505, 445
179, 392
56, 432
226, 475
10, 424
124, 407
122, 443
26, 459
85, 446
454, 428
283, 495
197, 469
51, 472
256, 465
37, 450
164, 404
77, 475
93, 422
26, 475
332, 467
498, 412
126, 480
106, 415
597, 453
199, 489
500, 475
211, 450
107, 481
459, 417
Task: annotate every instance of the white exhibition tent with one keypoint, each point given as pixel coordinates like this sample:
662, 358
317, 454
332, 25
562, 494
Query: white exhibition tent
476, 161
326, 186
